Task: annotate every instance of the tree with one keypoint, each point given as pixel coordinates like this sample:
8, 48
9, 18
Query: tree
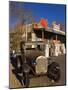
18, 12
22, 16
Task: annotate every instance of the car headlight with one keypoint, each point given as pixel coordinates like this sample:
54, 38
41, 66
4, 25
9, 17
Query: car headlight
34, 62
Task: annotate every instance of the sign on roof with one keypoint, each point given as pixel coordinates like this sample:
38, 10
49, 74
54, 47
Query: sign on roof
44, 23
56, 27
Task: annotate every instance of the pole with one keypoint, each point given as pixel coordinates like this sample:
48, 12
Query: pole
26, 32
56, 37
42, 35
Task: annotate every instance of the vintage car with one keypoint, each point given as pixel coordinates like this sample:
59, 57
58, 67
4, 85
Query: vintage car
32, 62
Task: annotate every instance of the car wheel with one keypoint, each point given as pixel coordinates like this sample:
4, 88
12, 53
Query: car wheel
54, 71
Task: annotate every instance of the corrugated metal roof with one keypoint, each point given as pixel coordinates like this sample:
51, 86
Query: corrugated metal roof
52, 31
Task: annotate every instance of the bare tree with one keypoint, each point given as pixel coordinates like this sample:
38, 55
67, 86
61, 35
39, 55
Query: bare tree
22, 16
17, 10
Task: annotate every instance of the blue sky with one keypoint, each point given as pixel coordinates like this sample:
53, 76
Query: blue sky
51, 12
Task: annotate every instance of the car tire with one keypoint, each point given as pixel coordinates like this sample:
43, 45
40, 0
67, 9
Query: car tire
54, 71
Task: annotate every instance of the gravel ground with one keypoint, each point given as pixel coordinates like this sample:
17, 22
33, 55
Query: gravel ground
41, 80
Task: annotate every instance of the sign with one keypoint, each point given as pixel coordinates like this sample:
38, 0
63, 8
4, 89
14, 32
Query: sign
56, 27
44, 23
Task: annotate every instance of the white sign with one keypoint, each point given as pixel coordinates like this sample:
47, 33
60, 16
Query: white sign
56, 27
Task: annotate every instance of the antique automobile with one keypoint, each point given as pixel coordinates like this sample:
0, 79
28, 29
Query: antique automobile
32, 62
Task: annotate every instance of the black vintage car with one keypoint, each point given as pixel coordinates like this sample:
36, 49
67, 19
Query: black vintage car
32, 62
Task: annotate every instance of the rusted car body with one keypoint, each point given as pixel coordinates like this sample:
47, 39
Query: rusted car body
32, 62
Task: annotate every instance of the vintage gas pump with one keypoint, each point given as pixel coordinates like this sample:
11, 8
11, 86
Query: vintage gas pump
47, 46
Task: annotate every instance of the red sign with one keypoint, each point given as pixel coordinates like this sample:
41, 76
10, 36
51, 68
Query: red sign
44, 23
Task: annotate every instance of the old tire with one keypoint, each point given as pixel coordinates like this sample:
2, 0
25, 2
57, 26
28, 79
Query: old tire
54, 71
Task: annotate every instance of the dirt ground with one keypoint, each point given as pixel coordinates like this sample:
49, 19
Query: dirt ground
14, 82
